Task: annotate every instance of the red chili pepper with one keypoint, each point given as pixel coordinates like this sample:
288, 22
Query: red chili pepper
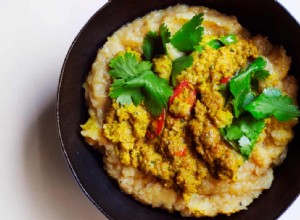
179, 89
181, 153
157, 125
225, 80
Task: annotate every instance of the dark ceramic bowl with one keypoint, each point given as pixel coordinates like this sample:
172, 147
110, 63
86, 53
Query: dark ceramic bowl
267, 17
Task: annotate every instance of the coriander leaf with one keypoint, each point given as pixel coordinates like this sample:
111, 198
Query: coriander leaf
134, 82
272, 103
245, 146
249, 97
242, 80
152, 45
179, 65
126, 95
251, 127
155, 90
272, 92
246, 125
165, 36
143, 66
261, 74
233, 143
228, 39
155, 44
243, 133
198, 48
157, 93
233, 132
125, 66
244, 141
240, 88
190, 34
240, 85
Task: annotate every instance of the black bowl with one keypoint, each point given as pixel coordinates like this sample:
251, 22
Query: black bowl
267, 17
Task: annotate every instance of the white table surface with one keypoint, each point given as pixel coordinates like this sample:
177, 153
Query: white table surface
35, 181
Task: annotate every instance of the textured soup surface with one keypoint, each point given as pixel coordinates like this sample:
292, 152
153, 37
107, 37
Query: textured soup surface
192, 177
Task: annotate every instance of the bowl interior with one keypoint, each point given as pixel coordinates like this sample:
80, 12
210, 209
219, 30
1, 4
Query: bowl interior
266, 17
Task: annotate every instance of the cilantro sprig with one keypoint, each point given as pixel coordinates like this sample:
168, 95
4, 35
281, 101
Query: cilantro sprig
189, 35
250, 108
127, 65
271, 102
243, 133
155, 43
152, 45
240, 85
186, 39
134, 82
